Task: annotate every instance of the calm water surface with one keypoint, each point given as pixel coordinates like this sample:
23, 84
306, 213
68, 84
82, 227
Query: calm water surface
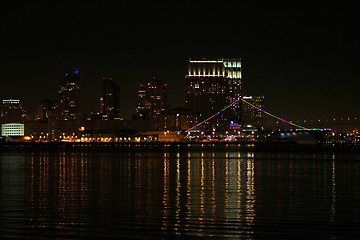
180, 191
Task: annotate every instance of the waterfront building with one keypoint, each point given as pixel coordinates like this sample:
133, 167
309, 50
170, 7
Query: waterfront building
69, 95
38, 130
178, 119
152, 99
12, 129
210, 85
11, 111
63, 130
110, 101
53, 130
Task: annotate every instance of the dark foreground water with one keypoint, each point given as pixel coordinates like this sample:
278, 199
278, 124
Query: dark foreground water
180, 191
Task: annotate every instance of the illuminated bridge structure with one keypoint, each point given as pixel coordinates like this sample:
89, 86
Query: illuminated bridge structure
337, 124
252, 105
342, 124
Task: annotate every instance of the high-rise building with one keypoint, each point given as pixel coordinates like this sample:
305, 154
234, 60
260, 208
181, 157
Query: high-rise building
152, 99
253, 116
11, 111
45, 109
210, 85
110, 102
69, 95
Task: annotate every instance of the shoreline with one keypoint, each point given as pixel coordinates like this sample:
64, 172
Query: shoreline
172, 143
186, 146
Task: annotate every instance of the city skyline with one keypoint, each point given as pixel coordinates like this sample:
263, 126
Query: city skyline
301, 57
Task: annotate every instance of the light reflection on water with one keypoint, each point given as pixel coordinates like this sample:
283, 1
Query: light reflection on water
179, 192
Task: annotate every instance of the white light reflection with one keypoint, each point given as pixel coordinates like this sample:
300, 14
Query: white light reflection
333, 192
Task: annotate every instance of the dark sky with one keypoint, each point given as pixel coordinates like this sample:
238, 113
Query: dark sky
303, 57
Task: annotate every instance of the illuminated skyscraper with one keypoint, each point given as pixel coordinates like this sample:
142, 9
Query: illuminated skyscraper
152, 99
69, 95
213, 84
253, 116
111, 99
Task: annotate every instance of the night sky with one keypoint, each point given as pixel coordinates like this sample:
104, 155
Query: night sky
302, 57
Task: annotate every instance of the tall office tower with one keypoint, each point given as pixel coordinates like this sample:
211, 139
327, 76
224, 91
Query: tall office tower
234, 77
69, 95
152, 99
12, 111
211, 85
253, 116
110, 102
